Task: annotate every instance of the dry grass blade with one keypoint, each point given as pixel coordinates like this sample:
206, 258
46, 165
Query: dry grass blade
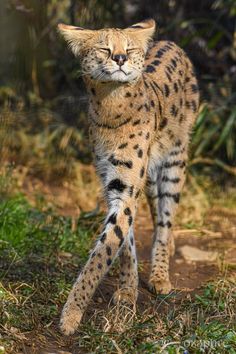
207, 161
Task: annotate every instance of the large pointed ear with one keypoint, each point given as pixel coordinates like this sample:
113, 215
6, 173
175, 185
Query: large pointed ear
76, 37
143, 31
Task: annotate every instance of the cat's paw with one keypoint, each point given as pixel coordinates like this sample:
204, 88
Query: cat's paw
70, 319
125, 295
160, 286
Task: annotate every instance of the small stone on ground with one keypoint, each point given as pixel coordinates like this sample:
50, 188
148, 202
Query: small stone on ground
193, 254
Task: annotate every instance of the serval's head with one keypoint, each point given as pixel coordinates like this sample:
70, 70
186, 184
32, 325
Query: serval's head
111, 54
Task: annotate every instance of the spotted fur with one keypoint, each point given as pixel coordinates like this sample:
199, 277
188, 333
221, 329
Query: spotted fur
142, 106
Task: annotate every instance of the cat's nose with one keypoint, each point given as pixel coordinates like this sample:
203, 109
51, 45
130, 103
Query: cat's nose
120, 59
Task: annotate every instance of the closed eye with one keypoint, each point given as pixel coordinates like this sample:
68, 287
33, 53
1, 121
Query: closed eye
130, 50
106, 50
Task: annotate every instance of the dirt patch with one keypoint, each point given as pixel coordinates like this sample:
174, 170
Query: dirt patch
68, 197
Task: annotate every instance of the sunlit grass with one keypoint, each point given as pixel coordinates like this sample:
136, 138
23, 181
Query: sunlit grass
41, 254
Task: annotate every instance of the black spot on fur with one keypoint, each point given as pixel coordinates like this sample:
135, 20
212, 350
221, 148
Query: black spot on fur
112, 219
116, 162
174, 110
140, 107
130, 220
156, 62
119, 234
127, 211
160, 108
136, 122
171, 180
118, 231
140, 153
163, 123
179, 163
116, 184
122, 146
128, 94
155, 123
131, 191
108, 250
160, 53
173, 63
169, 69
142, 172
109, 261
174, 196
168, 76
150, 69
103, 237
167, 224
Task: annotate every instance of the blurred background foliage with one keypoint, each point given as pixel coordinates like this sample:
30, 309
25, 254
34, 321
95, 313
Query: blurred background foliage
42, 97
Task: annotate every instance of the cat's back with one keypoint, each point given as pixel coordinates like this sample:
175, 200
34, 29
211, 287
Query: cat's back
165, 58
168, 66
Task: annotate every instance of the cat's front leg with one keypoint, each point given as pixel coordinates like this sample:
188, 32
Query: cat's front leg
111, 241
123, 182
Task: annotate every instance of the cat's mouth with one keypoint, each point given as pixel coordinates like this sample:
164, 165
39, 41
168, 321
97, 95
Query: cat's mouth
121, 71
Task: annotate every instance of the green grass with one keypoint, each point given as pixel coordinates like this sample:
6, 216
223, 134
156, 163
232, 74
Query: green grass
40, 257
26, 230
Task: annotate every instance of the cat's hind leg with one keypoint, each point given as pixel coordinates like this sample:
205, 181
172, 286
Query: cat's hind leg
170, 180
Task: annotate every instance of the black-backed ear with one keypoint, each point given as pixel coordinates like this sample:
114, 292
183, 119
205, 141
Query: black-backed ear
143, 31
76, 37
